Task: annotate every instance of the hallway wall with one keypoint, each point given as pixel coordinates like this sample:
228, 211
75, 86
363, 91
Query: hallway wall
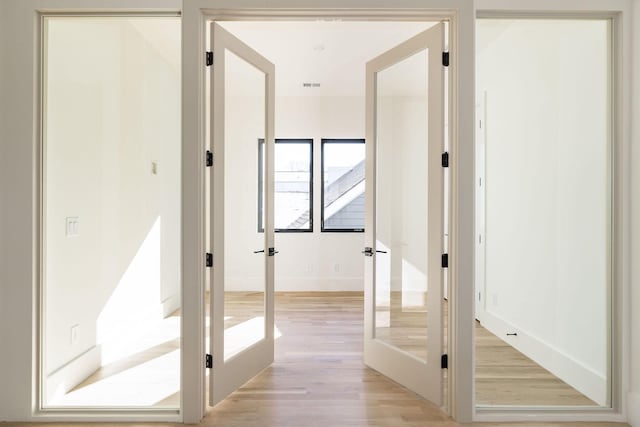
313, 261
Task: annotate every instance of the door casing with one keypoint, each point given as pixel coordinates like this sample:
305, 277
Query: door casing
459, 386
445, 15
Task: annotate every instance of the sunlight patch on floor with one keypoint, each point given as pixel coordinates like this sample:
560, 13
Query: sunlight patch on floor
143, 385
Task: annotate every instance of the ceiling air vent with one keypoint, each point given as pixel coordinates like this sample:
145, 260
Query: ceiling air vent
310, 84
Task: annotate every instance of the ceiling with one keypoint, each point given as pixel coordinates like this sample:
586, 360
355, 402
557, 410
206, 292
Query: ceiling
331, 53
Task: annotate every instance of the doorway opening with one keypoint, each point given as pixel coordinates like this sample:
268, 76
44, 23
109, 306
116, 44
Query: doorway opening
321, 105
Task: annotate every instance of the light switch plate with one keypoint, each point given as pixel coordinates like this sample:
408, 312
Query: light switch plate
72, 226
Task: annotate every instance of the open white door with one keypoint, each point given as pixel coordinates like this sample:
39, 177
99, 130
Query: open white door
404, 214
242, 120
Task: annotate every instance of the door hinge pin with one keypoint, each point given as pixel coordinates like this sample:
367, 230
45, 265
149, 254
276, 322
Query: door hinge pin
209, 58
445, 59
445, 159
444, 361
445, 261
208, 361
209, 259
209, 158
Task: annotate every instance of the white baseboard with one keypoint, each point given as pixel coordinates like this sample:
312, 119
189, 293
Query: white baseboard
633, 409
73, 373
299, 284
585, 380
319, 284
170, 305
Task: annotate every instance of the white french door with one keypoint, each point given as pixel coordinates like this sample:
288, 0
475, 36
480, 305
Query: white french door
404, 214
242, 305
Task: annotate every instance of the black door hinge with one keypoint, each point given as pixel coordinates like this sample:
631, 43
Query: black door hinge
445, 260
209, 158
208, 361
445, 59
209, 58
444, 361
445, 159
209, 259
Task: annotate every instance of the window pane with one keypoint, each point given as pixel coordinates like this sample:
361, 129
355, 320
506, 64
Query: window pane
402, 228
544, 253
293, 185
343, 185
111, 172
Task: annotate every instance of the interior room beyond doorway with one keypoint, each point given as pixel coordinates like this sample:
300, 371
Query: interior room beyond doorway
320, 95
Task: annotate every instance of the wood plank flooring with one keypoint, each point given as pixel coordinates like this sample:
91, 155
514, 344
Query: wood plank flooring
318, 377
504, 376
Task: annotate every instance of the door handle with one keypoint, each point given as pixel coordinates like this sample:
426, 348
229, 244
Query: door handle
272, 251
369, 251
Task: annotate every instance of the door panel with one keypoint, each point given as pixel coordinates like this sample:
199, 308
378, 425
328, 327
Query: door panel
242, 274
404, 224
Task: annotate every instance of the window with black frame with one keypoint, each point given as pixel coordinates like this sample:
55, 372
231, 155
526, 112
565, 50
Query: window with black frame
343, 172
293, 182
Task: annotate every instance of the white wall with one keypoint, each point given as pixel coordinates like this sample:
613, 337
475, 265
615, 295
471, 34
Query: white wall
319, 261
633, 401
307, 261
547, 193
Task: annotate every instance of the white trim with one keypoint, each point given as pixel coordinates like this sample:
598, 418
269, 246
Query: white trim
193, 213
633, 403
319, 284
541, 414
620, 13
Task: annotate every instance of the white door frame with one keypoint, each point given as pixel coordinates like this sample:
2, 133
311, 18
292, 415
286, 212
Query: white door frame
37, 9
619, 12
460, 15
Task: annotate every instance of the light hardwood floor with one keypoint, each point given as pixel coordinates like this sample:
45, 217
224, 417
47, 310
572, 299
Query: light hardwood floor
318, 378
504, 376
